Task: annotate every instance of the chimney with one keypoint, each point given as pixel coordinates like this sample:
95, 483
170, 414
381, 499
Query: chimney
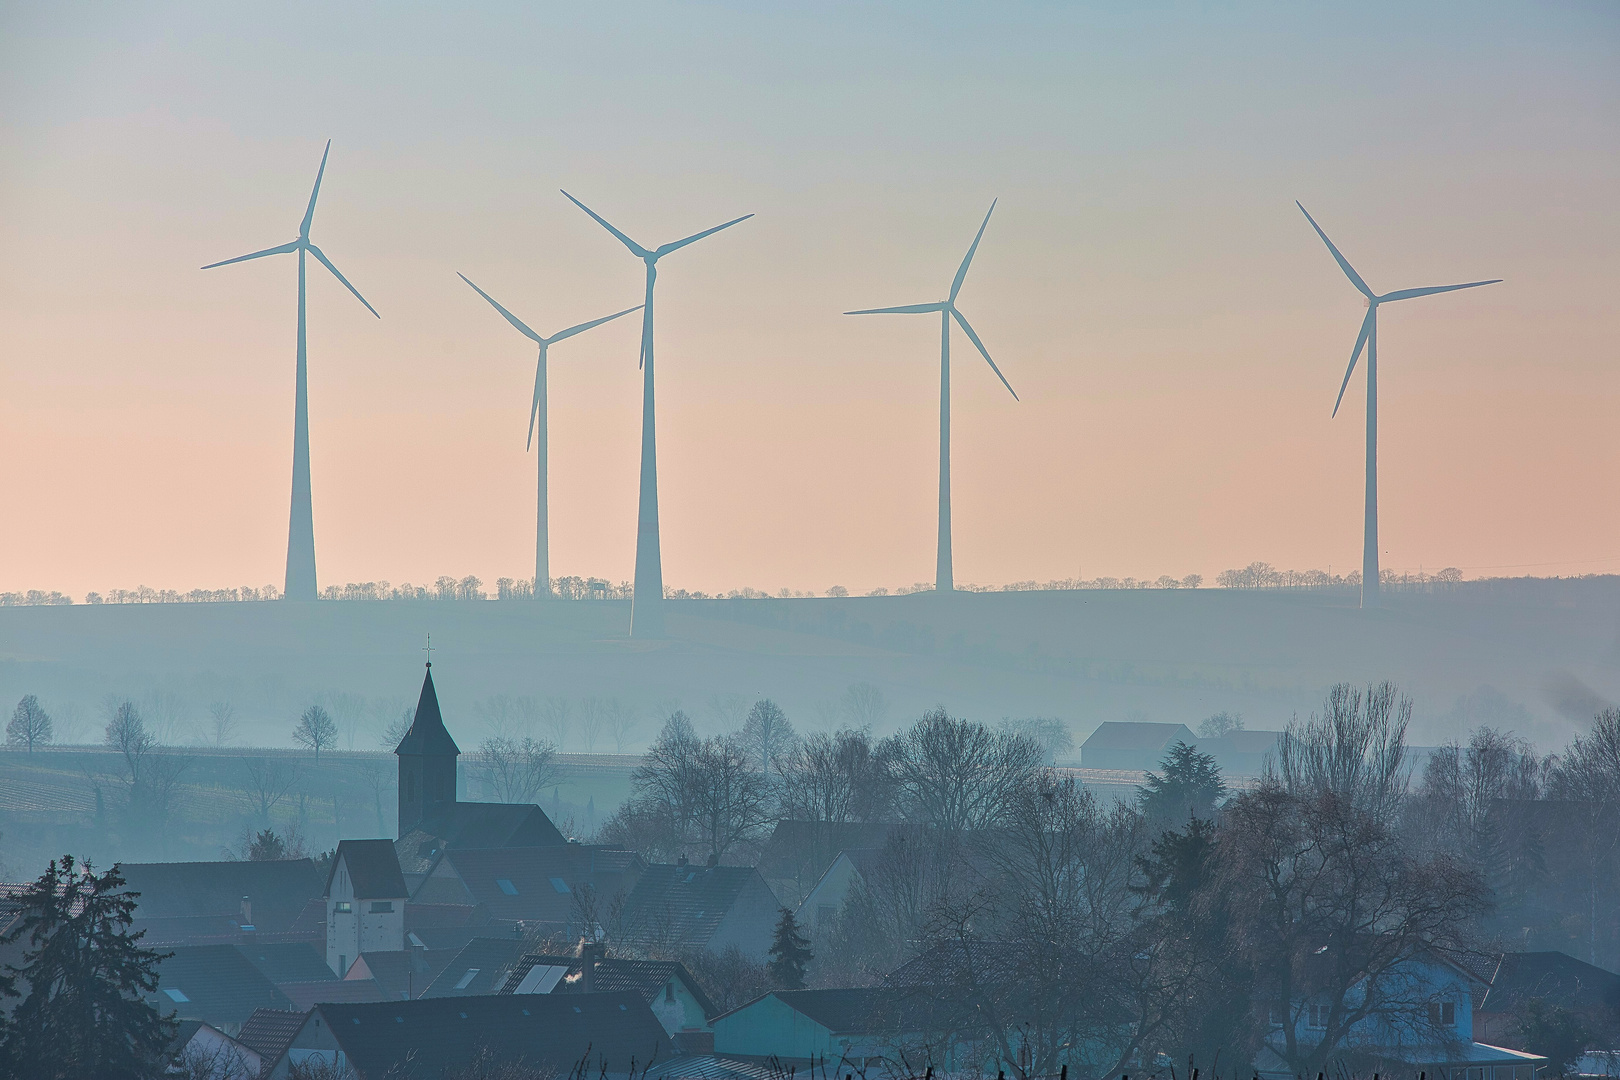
590, 953
714, 859
681, 862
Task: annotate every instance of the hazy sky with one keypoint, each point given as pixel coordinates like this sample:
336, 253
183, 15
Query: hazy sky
1176, 331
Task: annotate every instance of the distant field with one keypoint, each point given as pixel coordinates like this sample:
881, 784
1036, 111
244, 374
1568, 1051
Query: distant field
1549, 648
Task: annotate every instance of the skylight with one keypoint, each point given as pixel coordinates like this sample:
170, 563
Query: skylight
177, 996
560, 885
466, 980
506, 886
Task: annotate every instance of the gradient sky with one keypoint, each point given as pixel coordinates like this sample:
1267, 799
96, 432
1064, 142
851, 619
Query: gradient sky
1176, 331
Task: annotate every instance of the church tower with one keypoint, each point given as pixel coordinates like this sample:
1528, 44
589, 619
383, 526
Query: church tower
427, 763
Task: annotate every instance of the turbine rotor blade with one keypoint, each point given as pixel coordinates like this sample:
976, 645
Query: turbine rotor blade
309, 215
1361, 339
695, 237
1344, 264
534, 409
973, 337
906, 309
961, 271
511, 318
315, 251
282, 250
635, 248
1407, 294
584, 326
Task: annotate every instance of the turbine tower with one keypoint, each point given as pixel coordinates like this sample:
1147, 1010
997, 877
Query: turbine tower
1369, 338
647, 607
300, 583
537, 412
944, 580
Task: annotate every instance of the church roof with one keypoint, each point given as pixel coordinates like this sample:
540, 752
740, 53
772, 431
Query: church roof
474, 825
427, 734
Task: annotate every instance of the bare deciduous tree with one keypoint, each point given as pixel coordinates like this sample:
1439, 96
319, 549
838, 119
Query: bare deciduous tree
30, 724
864, 705
269, 781
593, 713
623, 722
767, 733
516, 770
1333, 907
958, 775
556, 715
222, 723
315, 731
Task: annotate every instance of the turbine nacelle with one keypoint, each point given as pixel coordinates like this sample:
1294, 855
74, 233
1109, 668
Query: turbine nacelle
1371, 300
543, 342
302, 242
948, 305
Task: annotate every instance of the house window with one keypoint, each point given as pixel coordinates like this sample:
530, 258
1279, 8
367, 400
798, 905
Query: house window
379, 907
506, 886
176, 996
343, 907
1442, 1013
1319, 1015
560, 885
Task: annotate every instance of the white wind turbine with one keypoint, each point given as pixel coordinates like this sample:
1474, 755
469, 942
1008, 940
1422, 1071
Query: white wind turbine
537, 415
1369, 338
300, 581
647, 607
944, 580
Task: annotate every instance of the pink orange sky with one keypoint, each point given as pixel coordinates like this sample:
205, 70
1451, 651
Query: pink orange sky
1175, 330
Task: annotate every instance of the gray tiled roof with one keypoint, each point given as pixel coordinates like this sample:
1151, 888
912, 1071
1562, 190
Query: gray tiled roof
475, 825
683, 904
539, 882
268, 1031
295, 961
373, 868
645, 977
1136, 735
213, 983
277, 890
555, 1030
486, 960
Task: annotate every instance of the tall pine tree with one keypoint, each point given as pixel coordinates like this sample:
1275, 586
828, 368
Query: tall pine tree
790, 953
86, 978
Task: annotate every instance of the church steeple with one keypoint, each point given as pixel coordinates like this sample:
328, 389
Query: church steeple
427, 762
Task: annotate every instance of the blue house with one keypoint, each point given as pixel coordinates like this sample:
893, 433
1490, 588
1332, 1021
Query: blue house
1419, 1017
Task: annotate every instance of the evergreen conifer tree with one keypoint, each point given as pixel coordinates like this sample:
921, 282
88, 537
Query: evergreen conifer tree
83, 981
1191, 786
790, 953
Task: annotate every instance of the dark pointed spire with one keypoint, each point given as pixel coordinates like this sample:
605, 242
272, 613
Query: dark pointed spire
428, 734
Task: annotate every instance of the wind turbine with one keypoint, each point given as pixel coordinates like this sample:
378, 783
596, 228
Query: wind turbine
1369, 338
944, 580
537, 412
300, 583
647, 607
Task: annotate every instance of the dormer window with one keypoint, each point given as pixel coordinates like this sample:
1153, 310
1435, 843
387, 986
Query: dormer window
381, 907
342, 907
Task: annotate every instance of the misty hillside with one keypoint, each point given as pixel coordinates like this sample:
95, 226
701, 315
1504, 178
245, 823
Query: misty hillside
1538, 656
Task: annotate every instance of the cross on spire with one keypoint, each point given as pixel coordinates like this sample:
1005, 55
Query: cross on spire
428, 648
